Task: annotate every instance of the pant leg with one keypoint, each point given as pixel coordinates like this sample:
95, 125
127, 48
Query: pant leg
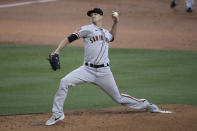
107, 83
78, 76
189, 3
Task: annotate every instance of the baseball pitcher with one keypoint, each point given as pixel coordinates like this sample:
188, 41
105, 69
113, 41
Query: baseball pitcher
96, 66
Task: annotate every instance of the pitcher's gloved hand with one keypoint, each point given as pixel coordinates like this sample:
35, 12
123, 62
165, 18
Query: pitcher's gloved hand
54, 61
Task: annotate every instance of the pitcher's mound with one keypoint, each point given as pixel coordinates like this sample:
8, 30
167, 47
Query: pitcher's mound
183, 118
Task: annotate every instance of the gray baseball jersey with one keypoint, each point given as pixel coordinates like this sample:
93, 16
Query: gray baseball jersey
96, 43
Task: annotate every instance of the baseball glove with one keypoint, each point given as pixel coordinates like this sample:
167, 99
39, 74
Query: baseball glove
54, 61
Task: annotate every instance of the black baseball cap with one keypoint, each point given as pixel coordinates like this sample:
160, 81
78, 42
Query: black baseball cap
95, 10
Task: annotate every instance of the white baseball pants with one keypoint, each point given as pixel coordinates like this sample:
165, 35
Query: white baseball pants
102, 77
189, 3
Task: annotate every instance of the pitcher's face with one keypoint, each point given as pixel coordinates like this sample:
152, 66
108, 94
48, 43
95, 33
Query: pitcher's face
96, 17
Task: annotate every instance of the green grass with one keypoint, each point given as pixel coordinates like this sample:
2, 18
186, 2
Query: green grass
28, 85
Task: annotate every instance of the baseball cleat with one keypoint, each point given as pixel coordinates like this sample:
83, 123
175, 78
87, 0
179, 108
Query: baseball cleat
173, 4
189, 10
154, 109
54, 118
165, 112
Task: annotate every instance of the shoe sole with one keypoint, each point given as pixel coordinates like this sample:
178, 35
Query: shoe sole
161, 111
61, 118
165, 112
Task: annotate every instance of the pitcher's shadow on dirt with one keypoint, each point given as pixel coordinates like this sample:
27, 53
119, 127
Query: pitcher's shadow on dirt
80, 113
104, 112
41, 124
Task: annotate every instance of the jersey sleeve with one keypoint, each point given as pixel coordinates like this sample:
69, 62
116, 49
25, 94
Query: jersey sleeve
83, 32
111, 38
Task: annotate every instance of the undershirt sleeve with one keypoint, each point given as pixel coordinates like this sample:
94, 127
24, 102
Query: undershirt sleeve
72, 37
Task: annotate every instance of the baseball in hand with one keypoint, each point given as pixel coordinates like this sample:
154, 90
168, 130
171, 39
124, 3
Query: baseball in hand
115, 14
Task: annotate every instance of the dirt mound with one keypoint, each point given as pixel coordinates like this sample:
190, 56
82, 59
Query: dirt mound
183, 118
143, 23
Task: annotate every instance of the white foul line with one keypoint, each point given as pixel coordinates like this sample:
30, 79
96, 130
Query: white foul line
25, 3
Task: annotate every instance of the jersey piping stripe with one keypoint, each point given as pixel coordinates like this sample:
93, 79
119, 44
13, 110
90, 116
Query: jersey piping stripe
103, 44
133, 98
77, 35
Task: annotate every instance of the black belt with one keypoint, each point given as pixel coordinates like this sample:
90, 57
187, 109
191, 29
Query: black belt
96, 66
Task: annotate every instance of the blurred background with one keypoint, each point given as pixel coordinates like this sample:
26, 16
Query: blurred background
143, 23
